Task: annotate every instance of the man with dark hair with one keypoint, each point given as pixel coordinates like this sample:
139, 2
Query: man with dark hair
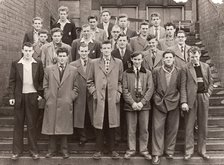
139, 43
48, 52
156, 29
97, 34
169, 40
106, 25
115, 32
86, 37
138, 89
68, 27
25, 89
60, 90
170, 92
199, 84
104, 83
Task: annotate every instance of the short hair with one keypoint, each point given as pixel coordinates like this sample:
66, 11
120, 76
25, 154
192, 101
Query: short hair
105, 11
63, 8
42, 31
106, 42
144, 23
92, 17
169, 24
28, 44
181, 31
54, 30
122, 35
62, 50
194, 50
169, 51
150, 37
123, 15
116, 26
37, 18
83, 45
85, 26
136, 53
155, 14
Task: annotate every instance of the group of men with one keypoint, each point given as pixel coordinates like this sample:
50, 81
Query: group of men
107, 81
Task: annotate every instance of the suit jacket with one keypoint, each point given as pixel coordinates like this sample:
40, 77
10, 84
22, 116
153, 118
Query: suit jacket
138, 44
48, 54
28, 37
94, 48
168, 98
148, 63
98, 80
164, 44
191, 81
59, 95
179, 59
126, 59
130, 33
100, 35
37, 50
162, 32
128, 88
100, 25
69, 32
84, 98
16, 80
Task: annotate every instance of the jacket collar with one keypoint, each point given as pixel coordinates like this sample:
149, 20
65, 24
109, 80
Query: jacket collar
131, 70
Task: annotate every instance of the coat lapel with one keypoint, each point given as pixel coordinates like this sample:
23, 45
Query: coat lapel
56, 74
80, 69
102, 66
20, 70
66, 74
111, 66
203, 71
163, 80
192, 71
34, 70
158, 57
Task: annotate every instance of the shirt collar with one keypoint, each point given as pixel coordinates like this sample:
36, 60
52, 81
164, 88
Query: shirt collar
22, 61
108, 58
83, 40
135, 68
67, 21
167, 70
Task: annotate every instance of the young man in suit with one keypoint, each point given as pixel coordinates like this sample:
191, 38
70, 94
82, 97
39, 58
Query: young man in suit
86, 37
169, 40
106, 24
104, 83
25, 89
83, 104
156, 29
97, 33
152, 56
170, 92
60, 90
139, 42
48, 52
138, 89
32, 36
181, 49
199, 85
115, 32
124, 23
68, 27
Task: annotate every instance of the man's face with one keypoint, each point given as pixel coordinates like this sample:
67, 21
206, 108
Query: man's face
37, 25
181, 38
155, 21
83, 52
92, 23
86, 33
115, 32
56, 37
170, 30
122, 42
195, 57
43, 37
62, 58
123, 22
63, 15
144, 30
153, 44
168, 59
105, 17
137, 61
27, 52
106, 50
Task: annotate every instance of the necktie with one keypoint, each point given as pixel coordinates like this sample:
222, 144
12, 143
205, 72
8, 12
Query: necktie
156, 32
84, 62
61, 69
137, 79
153, 57
122, 53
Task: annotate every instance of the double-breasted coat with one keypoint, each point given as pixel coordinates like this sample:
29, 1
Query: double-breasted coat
84, 98
59, 95
98, 80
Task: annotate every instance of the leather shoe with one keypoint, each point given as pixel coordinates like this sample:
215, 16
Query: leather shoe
187, 157
50, 155
115, 155
156, 160
97, 155
128, 154
169, 156
65, 155
205, 156
146, 155
35, 156
15, 157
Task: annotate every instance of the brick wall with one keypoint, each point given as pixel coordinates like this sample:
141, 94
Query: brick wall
15, 19
212, 32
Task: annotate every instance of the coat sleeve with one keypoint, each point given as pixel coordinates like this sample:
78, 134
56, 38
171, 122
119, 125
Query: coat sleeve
90, 79
69, 54
120, 77
126, 93
183, 86
73, 50
210, 81
75, 85
74, 35
150, 89
46, 83
43, 56
41, 76
12, 81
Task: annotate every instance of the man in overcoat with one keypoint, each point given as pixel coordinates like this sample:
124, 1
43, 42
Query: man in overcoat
60, 90
104, 83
